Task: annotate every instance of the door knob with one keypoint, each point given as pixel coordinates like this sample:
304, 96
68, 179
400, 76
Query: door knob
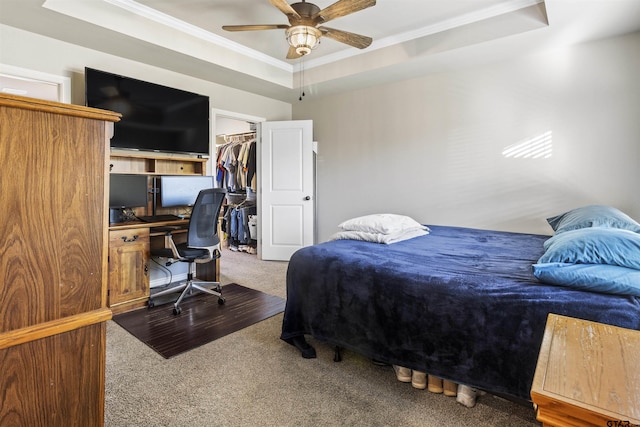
307, 198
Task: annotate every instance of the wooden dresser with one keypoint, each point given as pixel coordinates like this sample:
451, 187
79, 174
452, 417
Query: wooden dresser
588, 374
53, 261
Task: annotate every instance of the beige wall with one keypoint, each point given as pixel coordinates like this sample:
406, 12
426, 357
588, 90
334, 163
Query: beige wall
432, 147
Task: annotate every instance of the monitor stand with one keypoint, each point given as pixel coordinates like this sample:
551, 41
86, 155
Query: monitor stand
117, 216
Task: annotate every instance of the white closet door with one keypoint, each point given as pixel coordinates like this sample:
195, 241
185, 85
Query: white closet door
285, 159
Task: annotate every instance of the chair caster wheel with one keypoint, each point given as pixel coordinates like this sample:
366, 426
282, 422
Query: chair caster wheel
151, 304
177, 310
221, 301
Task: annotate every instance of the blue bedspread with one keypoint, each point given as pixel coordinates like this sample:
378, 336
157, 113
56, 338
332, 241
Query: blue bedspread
459, 303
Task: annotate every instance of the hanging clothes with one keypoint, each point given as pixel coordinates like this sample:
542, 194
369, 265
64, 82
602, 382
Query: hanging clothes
236, 162
236, 226
251, 166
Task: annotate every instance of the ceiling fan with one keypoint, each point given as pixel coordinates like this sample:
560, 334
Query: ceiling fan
303, 32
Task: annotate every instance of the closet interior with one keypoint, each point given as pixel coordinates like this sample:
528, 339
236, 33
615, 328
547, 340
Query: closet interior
235, 170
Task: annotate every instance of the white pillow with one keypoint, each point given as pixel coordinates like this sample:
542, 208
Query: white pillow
379, 237
381, 223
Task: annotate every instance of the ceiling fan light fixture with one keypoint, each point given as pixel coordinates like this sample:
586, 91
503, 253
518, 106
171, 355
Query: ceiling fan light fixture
303, 38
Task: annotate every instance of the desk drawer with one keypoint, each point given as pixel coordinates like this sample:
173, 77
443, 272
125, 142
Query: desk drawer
128, 237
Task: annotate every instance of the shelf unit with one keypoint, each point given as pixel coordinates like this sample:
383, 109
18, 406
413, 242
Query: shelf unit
150, 163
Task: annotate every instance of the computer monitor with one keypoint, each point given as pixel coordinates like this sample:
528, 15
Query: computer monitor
182, 190
127, 190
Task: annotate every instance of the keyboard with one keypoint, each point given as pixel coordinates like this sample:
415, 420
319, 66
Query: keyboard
159, 218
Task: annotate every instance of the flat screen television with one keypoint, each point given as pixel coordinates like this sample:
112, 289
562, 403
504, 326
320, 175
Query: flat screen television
154, 117
182, 190
127, 190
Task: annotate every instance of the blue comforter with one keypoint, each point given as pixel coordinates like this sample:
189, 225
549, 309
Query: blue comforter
459, 303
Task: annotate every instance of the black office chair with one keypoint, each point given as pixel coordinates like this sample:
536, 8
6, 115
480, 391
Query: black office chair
203, 245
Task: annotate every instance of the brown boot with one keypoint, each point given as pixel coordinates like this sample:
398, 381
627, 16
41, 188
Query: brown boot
435, 384
450, 388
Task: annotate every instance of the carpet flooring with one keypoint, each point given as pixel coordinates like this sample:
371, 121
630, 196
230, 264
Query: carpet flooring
201, 321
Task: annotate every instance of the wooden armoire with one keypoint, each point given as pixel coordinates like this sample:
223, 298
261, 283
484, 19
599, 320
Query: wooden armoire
53, 262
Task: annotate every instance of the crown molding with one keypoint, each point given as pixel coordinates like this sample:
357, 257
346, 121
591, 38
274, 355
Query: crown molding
191, 30
459, 21
194, 31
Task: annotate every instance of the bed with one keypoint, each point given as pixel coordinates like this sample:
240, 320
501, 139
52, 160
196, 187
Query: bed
458, 303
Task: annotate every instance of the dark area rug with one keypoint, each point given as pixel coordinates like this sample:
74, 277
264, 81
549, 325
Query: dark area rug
201, 321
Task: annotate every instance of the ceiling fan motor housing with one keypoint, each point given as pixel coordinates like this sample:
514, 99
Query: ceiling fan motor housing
306, 11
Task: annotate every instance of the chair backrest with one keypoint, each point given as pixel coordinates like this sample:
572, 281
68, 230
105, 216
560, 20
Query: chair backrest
203, 225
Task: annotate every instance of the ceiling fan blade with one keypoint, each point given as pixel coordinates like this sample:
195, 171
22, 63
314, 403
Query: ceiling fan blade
341, 8
285, 8
355, 40
292, 54
254, 27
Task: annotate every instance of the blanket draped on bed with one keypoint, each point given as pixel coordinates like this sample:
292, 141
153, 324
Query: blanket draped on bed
459, 303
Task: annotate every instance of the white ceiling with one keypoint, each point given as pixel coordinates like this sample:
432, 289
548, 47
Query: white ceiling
411, 37
388, 19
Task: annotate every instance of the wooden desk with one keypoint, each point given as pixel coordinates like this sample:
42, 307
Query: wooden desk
129, 261
588, 374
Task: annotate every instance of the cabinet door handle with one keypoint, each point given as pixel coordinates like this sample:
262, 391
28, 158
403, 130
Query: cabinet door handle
146, 269
133, 239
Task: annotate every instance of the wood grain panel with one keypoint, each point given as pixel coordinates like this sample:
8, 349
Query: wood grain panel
49, 220
62, 376
27, 235
80, 205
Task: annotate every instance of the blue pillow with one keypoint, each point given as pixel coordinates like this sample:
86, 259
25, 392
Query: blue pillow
594, 245
593, 216
610, 279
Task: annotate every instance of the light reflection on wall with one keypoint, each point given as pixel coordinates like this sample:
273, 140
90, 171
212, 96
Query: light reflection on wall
540, 146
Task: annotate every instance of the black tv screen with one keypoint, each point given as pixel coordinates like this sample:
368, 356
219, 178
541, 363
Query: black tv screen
154, 117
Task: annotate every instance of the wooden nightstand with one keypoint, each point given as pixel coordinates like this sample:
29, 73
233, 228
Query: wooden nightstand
588, 374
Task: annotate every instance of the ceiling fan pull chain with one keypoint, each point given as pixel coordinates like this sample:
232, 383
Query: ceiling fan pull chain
301, 78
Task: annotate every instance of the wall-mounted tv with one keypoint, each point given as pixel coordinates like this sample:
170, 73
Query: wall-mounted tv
154, 117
